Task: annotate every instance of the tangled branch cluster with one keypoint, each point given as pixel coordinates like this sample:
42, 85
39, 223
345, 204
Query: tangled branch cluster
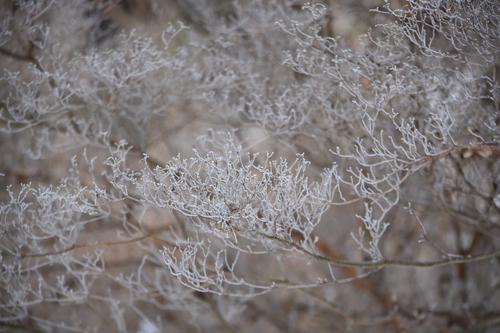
248, 168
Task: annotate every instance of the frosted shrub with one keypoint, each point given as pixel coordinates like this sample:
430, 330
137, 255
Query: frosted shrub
248, 169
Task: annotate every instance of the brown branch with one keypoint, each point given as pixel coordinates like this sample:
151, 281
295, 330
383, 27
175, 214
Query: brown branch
450, 260
16, 56
79, 246
398, 263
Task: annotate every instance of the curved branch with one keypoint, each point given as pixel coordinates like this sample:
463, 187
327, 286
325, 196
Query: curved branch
450, 260
79, 246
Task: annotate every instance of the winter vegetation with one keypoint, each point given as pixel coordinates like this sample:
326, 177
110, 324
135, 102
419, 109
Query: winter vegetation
249, 166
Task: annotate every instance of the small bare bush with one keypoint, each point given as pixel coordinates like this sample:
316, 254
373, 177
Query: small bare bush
249, 170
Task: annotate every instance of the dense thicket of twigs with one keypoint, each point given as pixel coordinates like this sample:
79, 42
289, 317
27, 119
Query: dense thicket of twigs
236, 166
